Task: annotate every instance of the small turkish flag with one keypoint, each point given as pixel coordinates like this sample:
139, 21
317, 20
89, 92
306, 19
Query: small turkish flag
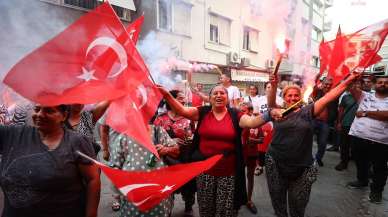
92, 60
147, 189
355, 51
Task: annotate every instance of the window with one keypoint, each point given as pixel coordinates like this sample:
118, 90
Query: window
88, 4
315, 61
182, 18
246, 39
317, 6
250, 39
91, 4
174, 16
164, 15
219, 30
316, 34
213, 33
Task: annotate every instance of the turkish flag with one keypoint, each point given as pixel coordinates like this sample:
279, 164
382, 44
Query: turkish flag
356, 51
268, 132
92, 60
147, 97
147, 189
324, 55
124, 116
131, 113
134, 28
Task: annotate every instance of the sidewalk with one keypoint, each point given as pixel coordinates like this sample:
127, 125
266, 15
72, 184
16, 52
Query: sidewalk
329, 197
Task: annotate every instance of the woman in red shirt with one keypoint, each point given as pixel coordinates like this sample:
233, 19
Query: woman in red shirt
221, 190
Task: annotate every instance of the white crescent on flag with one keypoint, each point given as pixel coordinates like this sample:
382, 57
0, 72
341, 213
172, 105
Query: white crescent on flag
142, 92
141, 202
128, 188
118, 49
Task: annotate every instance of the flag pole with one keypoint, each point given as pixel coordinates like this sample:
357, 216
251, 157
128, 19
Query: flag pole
87, 157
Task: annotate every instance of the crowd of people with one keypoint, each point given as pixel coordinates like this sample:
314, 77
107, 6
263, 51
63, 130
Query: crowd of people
252, 132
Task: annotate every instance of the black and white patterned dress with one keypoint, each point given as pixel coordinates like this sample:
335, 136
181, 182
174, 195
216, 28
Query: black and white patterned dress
127, 154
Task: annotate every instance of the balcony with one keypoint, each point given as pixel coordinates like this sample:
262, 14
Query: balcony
328, 3
327, 26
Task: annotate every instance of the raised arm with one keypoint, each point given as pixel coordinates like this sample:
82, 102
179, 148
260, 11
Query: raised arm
187, 112
247, 121
99, 110
334, 93
271, 97
104, 136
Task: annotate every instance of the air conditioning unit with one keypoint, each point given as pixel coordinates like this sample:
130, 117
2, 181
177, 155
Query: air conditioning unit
233, 58
269, 64
245, 62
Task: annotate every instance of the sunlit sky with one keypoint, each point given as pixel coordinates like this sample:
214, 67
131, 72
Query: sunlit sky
355, 14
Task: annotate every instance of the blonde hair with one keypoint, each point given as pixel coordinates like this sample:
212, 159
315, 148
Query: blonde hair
290, 87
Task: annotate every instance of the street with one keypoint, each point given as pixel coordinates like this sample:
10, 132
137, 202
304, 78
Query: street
329, 198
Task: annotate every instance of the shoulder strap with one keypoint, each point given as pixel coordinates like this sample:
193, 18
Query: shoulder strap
203, 110
156, 135
234, 115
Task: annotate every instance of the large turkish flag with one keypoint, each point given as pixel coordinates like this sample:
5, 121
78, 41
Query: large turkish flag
92, 60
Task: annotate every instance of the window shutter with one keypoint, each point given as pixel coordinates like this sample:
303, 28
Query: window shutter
224, 29
254, 40
182, 18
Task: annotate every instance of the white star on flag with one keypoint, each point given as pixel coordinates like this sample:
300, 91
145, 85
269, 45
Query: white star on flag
134, 106
167, 188
87, 75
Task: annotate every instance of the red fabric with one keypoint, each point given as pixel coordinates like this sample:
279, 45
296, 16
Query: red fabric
268, 132
147, 189
180, 127
96, 44
355, 51
147, 97
134, 28
124, 116
131, 113
216, 137
324, 52
251, 150
196, 100
337, 58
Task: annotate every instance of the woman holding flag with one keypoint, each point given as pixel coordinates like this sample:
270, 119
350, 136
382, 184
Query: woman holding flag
289, 163
221, 190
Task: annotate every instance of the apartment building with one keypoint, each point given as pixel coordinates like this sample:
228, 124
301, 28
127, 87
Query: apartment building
233, 36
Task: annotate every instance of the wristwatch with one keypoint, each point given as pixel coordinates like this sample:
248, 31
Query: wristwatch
364, 114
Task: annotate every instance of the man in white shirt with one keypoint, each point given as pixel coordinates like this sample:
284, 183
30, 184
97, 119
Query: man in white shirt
253, 97
370, 132
233, 91
262, 104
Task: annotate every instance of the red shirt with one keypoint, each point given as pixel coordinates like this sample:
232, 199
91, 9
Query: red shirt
196, 100
217, 136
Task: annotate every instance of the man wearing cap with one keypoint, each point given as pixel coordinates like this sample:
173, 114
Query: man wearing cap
370, 132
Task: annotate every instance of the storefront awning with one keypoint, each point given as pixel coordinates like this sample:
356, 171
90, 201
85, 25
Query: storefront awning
247, 75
